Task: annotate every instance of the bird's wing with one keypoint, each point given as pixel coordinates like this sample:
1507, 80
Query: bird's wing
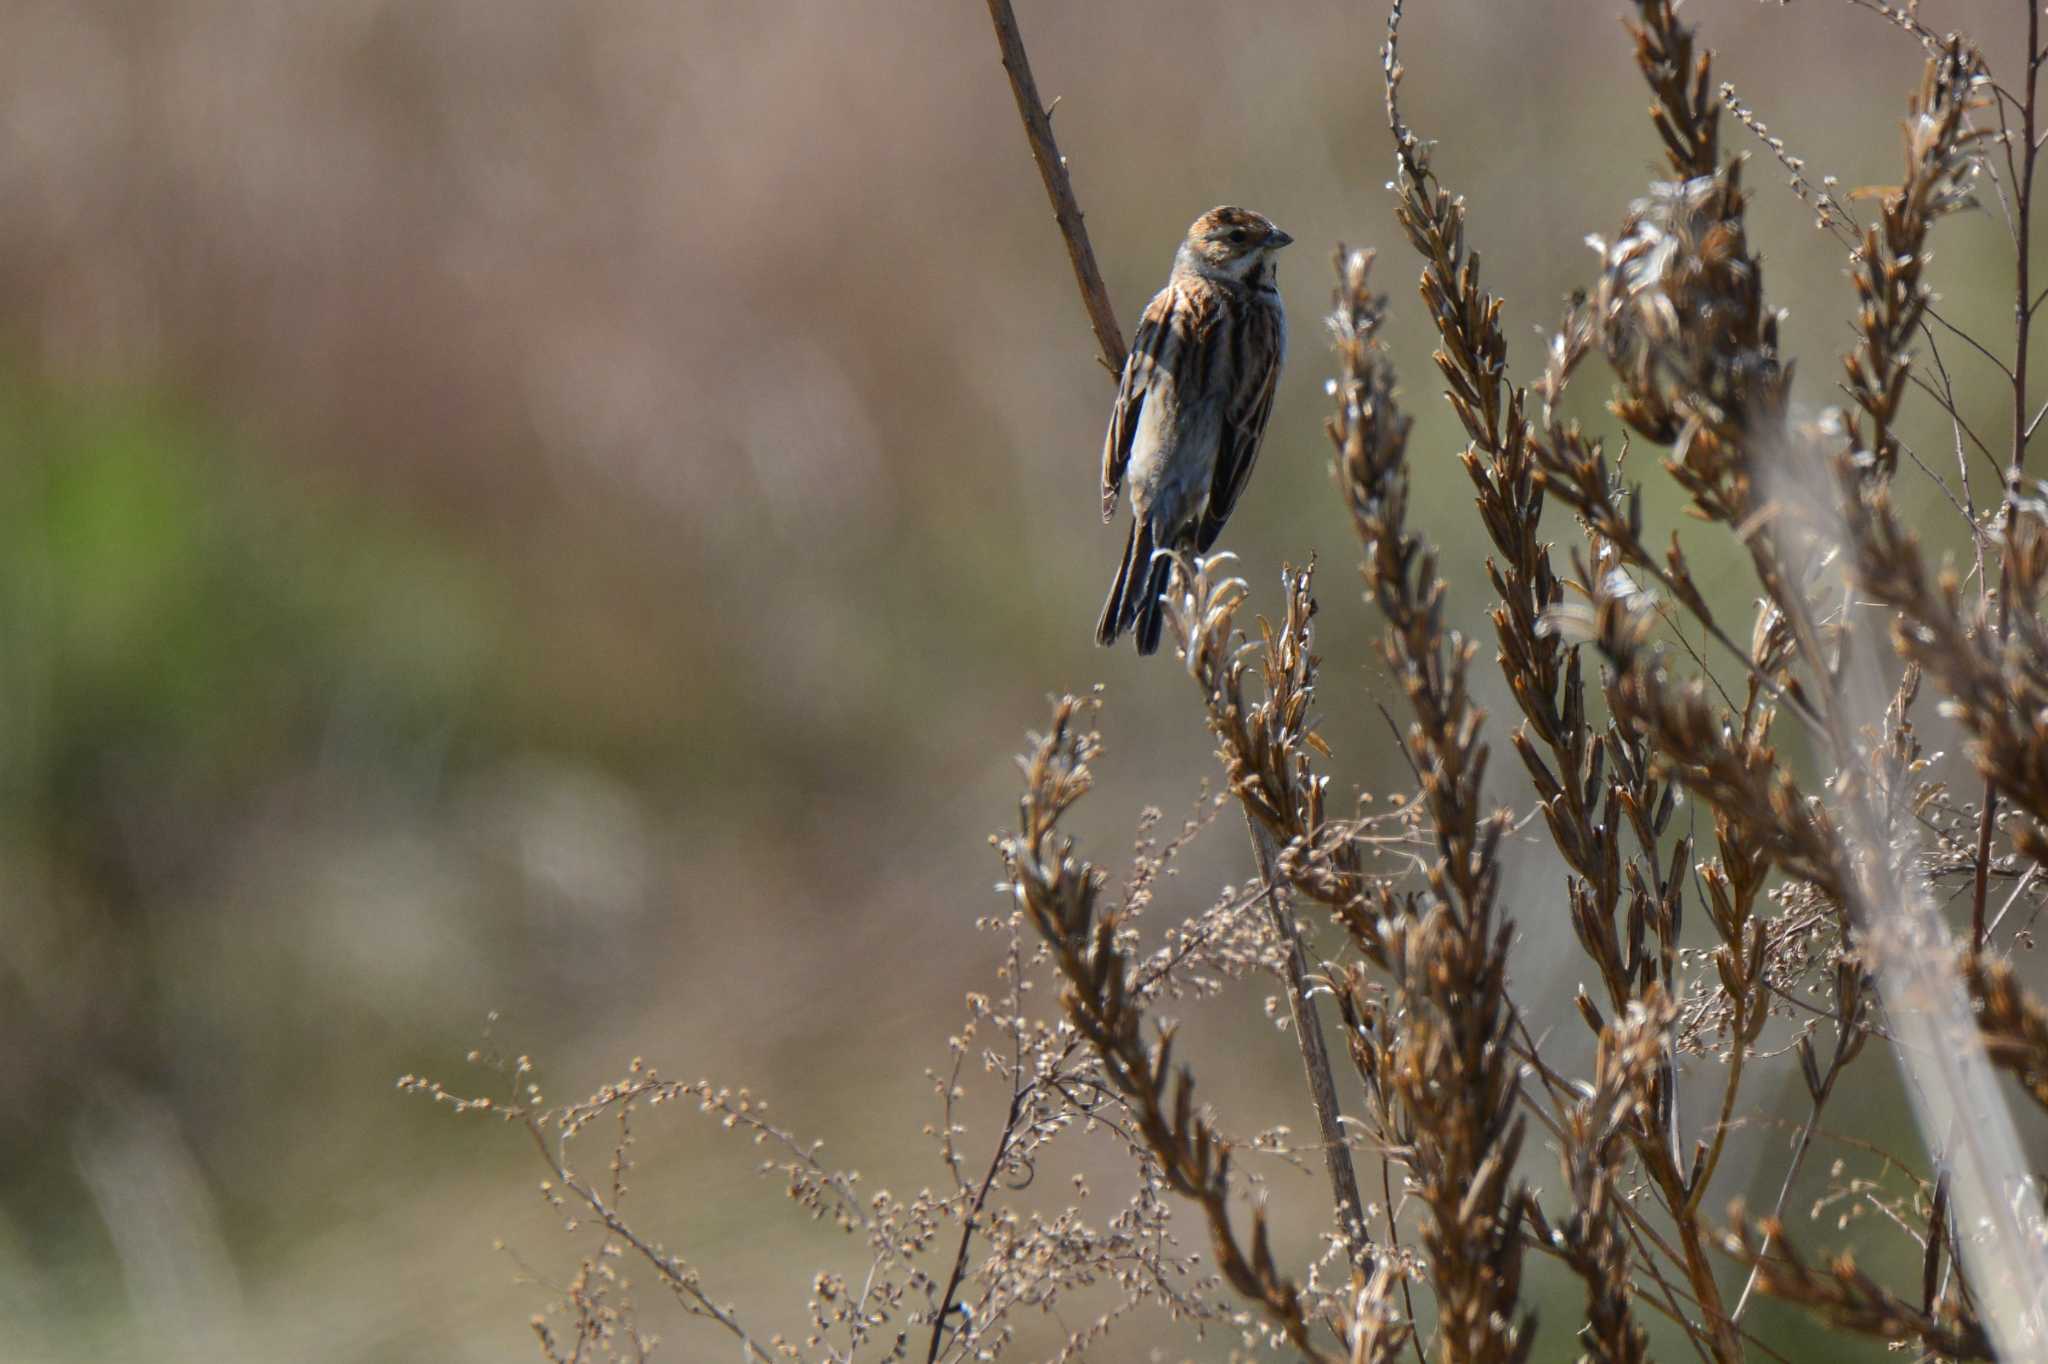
1151, 355
1244, 426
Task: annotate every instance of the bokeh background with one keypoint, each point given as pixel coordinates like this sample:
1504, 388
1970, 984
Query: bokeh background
568, 510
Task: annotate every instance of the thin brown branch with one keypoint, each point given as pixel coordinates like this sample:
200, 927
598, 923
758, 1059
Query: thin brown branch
1847, 1298
680, 1278
1315, 1053
2023, 323
949, 1300
1059, 186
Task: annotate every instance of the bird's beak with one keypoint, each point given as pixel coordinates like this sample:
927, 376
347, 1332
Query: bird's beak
1278, 239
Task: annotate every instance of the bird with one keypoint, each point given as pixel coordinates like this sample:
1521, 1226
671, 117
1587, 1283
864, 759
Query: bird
1191, 408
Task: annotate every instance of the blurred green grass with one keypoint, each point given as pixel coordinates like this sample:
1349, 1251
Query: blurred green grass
184, 609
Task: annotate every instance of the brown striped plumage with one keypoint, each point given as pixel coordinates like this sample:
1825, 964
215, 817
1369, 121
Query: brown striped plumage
1197, 390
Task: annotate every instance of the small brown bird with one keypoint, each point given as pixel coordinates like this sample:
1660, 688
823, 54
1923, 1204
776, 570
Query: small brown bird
1196, 393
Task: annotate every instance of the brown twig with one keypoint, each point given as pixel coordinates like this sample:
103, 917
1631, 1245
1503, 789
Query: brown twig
679, 1277
2023, 320
1059, 187
949, 1301
1851, 1300
1315, 1054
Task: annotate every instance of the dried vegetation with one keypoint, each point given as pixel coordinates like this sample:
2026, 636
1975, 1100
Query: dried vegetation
1788, 923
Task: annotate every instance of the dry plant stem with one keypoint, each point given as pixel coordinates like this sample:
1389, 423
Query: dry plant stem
1315, 1054
1672, 1304
1015, 1131
1981, 885
1993, 675
1503, 458
1893, 304
1472, 359
1680, 313
1394, 1240
1059, 188
950, 1299
1958, 1102
2014, 1023
2023, 318
1052, 168
1449, 1060
1264, 742
1801, 1147
1643, 1238
1851, 1300
1592, 1241
671, 1270
1059, 894
1889, 259
1020, 1092
1500, 460
1760, 818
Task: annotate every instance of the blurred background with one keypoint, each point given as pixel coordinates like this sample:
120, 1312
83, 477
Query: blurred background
568, 510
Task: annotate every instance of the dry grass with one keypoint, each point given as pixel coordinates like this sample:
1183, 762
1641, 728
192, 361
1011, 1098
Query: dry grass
1817, 894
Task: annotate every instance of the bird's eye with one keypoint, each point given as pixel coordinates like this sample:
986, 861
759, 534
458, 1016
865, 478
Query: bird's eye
1238, 235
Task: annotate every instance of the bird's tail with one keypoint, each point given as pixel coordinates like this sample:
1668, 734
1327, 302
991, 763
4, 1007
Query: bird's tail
1133, 603
1152, 606
1118, 611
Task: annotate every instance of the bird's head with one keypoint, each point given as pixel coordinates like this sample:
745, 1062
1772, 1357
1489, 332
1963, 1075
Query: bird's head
1233, 242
